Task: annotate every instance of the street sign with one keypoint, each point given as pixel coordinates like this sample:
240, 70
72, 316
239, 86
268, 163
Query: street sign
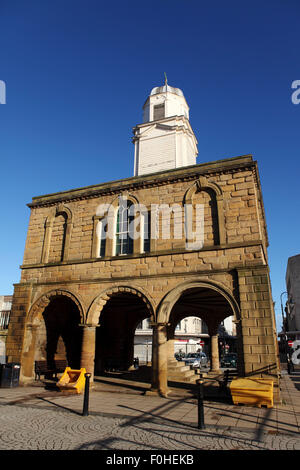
201, 343
290, 343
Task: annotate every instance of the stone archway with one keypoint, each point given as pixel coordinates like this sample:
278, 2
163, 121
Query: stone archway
97, 305
173, 296
207, 300
36, 310
109, 330
52, 331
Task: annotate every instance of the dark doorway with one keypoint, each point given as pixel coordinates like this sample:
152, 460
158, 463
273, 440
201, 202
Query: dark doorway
115, 336
63, 334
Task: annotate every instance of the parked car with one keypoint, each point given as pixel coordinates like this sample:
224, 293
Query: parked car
196, 360
229, 360
180, 356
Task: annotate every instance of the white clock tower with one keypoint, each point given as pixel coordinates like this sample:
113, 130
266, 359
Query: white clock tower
165, 140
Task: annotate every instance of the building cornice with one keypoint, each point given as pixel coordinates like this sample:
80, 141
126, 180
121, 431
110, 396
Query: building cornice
187, 274
156, 253
188, 173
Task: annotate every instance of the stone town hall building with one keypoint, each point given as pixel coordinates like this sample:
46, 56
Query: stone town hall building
87, 282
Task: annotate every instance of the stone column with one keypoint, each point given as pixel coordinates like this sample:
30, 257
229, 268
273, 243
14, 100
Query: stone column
213, 324
214, 363
95, 238
159, 360
88, 349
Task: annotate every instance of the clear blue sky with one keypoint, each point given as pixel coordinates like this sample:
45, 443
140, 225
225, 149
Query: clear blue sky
77, 75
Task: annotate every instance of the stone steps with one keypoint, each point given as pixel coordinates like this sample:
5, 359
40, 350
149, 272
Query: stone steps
178, 371
177, 367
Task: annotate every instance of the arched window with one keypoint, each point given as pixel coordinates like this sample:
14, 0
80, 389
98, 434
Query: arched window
124, 228
121, 228
58, 238
208, 195
58, 228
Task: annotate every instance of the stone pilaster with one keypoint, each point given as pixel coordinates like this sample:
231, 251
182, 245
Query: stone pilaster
20, 307
213, 324
257, 324
47, 239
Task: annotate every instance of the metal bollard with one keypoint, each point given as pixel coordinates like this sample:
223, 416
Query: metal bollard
201, 424
85, 411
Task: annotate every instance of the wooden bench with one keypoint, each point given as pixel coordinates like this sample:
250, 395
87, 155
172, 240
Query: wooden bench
42, 368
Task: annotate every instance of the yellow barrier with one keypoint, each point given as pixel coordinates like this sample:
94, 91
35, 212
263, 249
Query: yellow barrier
253, 391
72, 380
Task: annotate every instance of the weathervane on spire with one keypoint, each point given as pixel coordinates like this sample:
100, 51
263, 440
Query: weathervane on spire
166, 80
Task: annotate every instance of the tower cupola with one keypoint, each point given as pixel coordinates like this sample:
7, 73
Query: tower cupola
165, 139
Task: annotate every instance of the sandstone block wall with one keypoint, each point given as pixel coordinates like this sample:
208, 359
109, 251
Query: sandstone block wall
60, 250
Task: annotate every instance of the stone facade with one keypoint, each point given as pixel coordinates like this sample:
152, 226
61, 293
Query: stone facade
228, 276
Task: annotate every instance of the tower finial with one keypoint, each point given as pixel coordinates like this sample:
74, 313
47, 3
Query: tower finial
166, 80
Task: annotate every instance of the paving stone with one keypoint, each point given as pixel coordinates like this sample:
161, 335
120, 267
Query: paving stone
34, 419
